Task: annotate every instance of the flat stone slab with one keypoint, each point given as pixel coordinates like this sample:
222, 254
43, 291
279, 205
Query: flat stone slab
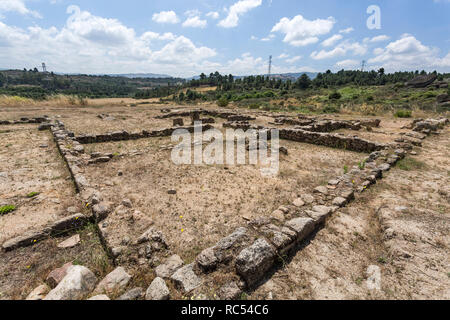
301, 226
70, 243
168, 268
185, 279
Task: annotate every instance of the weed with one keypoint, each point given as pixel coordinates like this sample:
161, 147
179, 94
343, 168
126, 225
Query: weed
362, 165
32, 194
345, 169
7, 209
382, 260
409, 164
403, 114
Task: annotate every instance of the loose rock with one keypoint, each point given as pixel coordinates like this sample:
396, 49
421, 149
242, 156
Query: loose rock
78, 282
157, 290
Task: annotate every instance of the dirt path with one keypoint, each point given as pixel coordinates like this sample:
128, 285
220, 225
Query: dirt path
400, 225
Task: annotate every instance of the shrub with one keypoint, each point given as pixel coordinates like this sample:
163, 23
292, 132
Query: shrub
7, 209
222, 102
403, 114
330, 109
335, 96
370, 98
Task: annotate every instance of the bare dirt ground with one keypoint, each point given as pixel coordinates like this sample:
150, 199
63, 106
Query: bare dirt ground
413, 254
401, 225
30, 163
211, 201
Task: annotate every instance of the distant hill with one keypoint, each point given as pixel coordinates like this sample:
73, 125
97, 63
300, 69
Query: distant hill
141, 75
282, 76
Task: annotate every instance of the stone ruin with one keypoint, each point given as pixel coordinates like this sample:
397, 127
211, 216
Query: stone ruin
422, 81
251, 251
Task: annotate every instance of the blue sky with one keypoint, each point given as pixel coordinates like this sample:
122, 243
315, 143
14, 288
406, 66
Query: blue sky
184, 38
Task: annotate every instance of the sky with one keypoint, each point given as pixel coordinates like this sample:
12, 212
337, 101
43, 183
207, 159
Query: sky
184, 38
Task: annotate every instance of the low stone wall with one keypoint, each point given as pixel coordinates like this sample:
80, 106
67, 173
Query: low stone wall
315, 125
124, 135
331, 140
25, 120
230, 116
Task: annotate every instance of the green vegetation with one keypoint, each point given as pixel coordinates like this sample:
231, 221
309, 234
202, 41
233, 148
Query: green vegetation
222, 102
7, 209
345, 169
39, 86
403, 113
32, 194
369, 93
362, 165
409, 164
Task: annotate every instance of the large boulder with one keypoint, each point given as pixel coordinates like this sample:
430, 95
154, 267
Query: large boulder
56, 276
254, 261
78, 283
422, 81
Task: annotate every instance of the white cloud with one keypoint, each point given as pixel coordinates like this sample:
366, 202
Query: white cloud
195, 22
348, 64
182, 50
408, 53
283, 56
332, 40
236, 10
17, 6
166, 17
301, 32
348, 30
340, 50
213, 15
193, 13
293, 59
253, 38
380, 38
268, 38
92, 44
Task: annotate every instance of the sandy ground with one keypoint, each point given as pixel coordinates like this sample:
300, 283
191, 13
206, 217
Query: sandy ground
414, 261
27, 167
211, 201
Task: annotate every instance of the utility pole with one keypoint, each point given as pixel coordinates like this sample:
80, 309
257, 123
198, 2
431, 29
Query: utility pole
270, 66
363, 65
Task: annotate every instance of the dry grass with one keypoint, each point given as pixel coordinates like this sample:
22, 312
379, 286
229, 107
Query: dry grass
56, 100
